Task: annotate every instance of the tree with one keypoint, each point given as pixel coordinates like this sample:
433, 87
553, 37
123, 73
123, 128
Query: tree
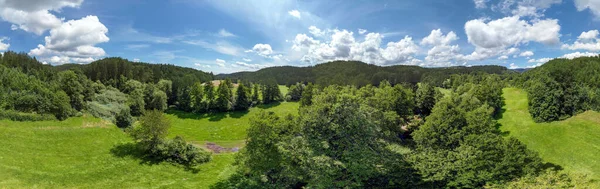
184, 100
544, 99
135, 90
425, 99
223, 102
158, 101
123, 119
271, 93
295, 92
242, 101
72, 85
197, 94
307, 95
154, 127
255, 93
209, 92
167, 87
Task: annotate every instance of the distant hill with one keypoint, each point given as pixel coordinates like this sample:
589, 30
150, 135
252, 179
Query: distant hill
357, 73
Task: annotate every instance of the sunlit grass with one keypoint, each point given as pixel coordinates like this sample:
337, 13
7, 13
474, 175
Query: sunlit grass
574, 144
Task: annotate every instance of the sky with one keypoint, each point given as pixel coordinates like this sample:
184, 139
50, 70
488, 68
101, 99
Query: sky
225, 36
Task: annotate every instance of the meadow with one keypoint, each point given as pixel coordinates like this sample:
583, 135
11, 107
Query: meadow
87, 152
573, 144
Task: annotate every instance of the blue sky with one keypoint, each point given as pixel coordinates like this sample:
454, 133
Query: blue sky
224, 36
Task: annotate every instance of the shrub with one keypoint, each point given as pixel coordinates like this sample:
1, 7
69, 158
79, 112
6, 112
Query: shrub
123, 119
20, 116
180, 152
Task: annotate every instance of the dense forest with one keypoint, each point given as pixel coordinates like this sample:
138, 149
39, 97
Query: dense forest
358, 74
358, 126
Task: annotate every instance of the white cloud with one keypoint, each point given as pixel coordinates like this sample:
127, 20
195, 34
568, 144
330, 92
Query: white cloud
541, 60
247, 59
222, 47
251, 66
75, 39
361, 31
511, 31
4, 46
220, 62
225, 33
586, 41
442, 53
592, 5
202, 65
513, 66
136, 60
526, 54
343, 46
316, 31
578, 54
480, 4
503, 57
34, 15
534, 8
295, 13
262, 49
136, 46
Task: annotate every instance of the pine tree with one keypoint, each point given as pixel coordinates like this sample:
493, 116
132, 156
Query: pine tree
242, 101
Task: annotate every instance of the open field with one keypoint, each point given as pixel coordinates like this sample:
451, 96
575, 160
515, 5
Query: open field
573, 144
87, 152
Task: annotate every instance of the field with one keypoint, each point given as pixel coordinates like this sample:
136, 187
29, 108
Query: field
573, 144
87, 152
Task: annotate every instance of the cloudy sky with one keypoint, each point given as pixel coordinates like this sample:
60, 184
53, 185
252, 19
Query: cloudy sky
224, 36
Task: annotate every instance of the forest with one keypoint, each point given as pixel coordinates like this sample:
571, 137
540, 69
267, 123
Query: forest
357, 125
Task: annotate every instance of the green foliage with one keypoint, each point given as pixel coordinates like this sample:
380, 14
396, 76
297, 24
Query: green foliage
544, 99
357, 74
209, 91
549, 179
271, 93
307, 95
242, 98
180, 152
123, 119
460, 147
255, 94
224, 97
107, 104
77, 87
20, 116
424, 99
154, 127
197, 97
155, 99
295, 92
184, 99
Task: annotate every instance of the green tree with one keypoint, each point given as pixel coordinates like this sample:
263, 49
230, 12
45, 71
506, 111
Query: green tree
242, 101
295, 92
184, 100
197, 94
307, 95
154, 127
72, 85
167, 87
255, 93
425, 99
223, 101
123, 119
209, 91
135, 90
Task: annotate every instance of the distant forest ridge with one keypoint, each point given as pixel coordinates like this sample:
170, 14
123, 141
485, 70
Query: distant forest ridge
358, 74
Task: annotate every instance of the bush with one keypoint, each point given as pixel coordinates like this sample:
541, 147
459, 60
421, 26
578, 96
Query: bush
20, 116
180, 152
123, 119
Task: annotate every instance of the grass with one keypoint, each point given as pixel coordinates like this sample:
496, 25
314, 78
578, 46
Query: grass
573, 144
87, 152
224, 129
76, 153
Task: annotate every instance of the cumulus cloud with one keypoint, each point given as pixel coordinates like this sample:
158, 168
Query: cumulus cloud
592, 5
295, 13
34, 15
3, 46
220, 63
441, 53
202, 65
75, 39
511, 31
526, 54
586, 41
569, 56
247, 59
262, 49
316, 31
503, 57
343, 46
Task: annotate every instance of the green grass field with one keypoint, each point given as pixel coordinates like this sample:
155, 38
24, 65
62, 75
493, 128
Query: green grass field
87, 152
574, 144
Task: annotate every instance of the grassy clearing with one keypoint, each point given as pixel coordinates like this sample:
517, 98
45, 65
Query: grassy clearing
574, 144
224, 129
76, 153
83, 152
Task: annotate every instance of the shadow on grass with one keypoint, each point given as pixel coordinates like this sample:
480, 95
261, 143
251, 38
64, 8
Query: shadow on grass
217, 116
549, 165
133, 150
